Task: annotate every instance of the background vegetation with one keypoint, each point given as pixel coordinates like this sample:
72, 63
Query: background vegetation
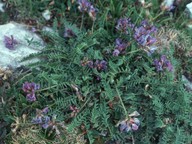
86, 104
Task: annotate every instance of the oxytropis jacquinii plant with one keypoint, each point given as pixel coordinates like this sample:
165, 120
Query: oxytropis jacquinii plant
129, 124
10, 42
86, 6
162, 64
46, 121
30, 89
143, 34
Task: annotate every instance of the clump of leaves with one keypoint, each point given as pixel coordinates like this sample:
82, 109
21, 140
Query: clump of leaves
91, 90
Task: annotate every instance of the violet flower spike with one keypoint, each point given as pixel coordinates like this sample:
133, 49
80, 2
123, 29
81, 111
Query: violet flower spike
116, 52
90, 64
83, 5
93, 12
68, 33
45, 110
31, 97
37, 120
143, 34
10, 42
120, 47
134, 127
123, 24
46, 121
124, 126
169, 66
101, 65
30, 89
136, 121
162, 64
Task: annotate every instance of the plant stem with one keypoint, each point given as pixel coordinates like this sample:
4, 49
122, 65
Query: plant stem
93, 26
158, 15
126, 114
134, 51
133, 140
82, 19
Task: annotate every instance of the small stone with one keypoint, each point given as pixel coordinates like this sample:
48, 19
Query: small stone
189, 26
28, 43
1, 7
189, 9
167, 5
47, 15
188, 84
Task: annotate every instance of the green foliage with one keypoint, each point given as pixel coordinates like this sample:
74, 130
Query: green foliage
129, 84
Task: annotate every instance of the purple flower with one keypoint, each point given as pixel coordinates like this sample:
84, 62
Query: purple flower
33, 29
93, 12
98, 78
169, 66
37, 120
123, 24
101, 65
90, 64
116, 52
68, 33
136, 121
134, 127
124, 126
46, 122
120, 47
45, 110
129, 125
31, 97
30, 89
83, 5
10, 42
143, 34
163, 64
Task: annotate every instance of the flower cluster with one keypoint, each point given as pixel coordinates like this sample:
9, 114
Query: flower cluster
167, 5
45, 121
74, 110
163, 64
120, 47
10, 42
30, 89
68, 33
100, 65
129, 125
85, 6
41, 119
123, 24
143, 33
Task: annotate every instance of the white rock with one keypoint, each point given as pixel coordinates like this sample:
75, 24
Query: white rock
189, 25
187, 84
50, 31
142, 2
22, 49
167, 4
189, 9
47, 15
1, 7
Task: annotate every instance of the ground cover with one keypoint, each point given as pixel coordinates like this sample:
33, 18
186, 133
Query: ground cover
111, 72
